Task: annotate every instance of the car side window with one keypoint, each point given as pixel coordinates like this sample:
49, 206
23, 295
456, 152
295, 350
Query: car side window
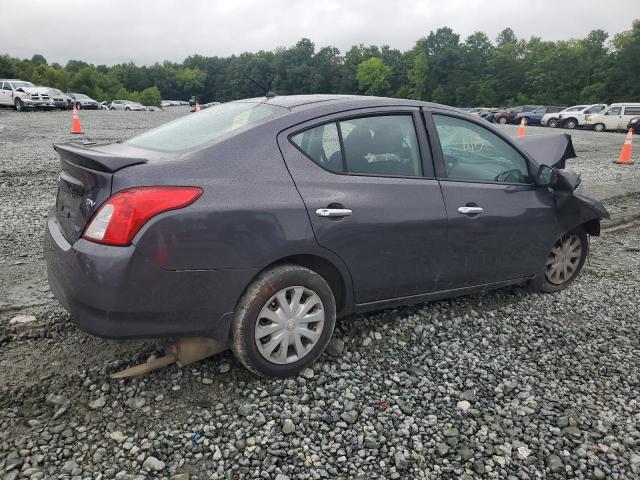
613, 111
473, 153
377, 145
632, 110
382, 145
322, 145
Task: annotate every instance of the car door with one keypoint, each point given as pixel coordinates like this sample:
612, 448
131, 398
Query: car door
501, 225
368, 184
611, 118
5, 93
628, 113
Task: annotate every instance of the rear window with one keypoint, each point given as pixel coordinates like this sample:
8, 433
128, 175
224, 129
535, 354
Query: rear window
206, 126
632, 110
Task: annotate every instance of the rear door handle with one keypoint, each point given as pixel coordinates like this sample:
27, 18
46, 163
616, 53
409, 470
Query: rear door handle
470, 210
333, 212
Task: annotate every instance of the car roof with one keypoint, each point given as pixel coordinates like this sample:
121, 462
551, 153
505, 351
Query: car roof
300, 102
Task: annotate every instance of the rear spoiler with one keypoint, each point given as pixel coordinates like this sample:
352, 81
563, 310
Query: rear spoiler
86, 157
550, 149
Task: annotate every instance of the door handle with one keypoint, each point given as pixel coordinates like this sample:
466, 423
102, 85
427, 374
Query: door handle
470, 210
333, 212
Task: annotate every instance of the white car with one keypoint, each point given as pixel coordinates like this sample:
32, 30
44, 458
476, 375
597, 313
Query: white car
551, 119
23, 95
577, 118
127, 105
616, 117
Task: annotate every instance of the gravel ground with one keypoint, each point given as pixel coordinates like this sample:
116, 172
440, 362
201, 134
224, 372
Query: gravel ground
506, 384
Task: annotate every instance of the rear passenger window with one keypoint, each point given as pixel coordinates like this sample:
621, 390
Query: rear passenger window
381, 145
632, 110
322, 145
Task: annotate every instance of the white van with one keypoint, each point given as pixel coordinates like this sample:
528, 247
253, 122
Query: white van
616, 117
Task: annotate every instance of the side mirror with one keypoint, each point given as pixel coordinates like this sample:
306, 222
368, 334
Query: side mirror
547, 176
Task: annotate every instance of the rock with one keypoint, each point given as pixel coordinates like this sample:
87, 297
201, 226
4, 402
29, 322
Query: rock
478, 467
400, 461
598, 474
443, 449
118, 436
152, 463
180, 476
523, 452
282, 476
307, 373
225, 368
451, 432
136, 403
54, 399
366, 341
555, 464
21, 319
463, 405
635, 459
206, 381
288, 427
98, 403
335, 347
350, 417
469, 396
245, 410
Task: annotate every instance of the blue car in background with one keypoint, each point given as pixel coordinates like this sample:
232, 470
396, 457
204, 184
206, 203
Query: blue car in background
534, 116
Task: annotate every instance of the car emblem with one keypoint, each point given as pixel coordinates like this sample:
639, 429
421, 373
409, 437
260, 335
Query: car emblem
89, 202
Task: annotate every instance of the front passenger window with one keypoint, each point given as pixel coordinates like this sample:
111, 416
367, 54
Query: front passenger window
473, 153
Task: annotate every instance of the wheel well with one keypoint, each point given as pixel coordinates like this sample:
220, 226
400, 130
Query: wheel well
325, 269
592, 227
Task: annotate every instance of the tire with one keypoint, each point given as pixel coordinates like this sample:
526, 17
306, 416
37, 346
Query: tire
127, 109
78, 106
526, 120
502, 120
18, 105
599, 127
552, 123
253, 318
571, 124
556, 279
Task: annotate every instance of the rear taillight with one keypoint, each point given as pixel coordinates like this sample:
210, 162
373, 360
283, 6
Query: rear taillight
119, 218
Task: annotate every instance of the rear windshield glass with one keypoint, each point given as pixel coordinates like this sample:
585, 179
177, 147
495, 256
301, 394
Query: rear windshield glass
203, 127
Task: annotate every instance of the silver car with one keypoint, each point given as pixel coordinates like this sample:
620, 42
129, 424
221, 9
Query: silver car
127, 105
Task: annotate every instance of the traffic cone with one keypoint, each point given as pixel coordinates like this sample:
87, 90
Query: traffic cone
197, 106
75, 123
625, 154
521, 128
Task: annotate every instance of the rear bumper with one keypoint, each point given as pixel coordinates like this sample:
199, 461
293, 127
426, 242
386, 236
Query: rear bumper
116, 292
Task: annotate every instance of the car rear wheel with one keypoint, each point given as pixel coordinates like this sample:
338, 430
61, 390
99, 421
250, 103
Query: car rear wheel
553, 123
19, 106
565, 261
599, 127
127, 109
502, 120
283, 322
571, 123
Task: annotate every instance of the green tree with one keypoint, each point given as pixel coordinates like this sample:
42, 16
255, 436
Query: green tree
151, 96
373, 76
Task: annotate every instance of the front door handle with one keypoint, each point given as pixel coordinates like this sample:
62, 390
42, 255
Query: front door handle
333, 212
470, 210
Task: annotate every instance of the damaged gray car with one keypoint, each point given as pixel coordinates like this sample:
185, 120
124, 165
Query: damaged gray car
258, 222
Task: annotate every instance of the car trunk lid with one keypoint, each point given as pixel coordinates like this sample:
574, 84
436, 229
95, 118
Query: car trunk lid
84, 184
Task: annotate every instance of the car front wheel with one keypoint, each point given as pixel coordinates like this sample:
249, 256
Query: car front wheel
553, 123
571, 124
502, 120
283, 322
565, 261
599, 127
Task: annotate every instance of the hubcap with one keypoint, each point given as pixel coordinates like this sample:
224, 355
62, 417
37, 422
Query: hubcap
563, 260
289, 325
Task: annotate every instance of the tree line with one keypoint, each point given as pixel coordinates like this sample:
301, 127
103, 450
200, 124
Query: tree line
440, 67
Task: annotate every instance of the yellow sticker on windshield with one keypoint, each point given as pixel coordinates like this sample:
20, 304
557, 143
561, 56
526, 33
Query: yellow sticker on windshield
241, 119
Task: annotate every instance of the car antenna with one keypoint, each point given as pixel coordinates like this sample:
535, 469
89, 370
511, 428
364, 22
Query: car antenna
268, 94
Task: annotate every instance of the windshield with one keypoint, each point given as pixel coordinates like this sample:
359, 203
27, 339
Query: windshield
203, 127
80, 95
55, 91
22, 84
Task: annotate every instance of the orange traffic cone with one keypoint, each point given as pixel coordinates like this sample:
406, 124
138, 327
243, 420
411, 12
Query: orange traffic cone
625, 154
197, 106
521, 128
75, 123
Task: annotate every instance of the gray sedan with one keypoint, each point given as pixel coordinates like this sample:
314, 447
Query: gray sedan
260, 221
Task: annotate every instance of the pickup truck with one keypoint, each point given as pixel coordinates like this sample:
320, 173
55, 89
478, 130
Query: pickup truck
23, 95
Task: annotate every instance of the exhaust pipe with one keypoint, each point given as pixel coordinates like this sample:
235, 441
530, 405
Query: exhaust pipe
185, 351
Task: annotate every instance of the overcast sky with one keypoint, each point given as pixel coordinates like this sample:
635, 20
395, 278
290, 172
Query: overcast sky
147, 31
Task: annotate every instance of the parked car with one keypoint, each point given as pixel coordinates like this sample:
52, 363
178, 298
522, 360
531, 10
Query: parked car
83, 102
616, 117
259, 221
534, 117
551, 119
192, 101
489, 117
634, 124
509, 115
127, 105
152, 108
576, 118
104, 105
61, 100
23, 95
